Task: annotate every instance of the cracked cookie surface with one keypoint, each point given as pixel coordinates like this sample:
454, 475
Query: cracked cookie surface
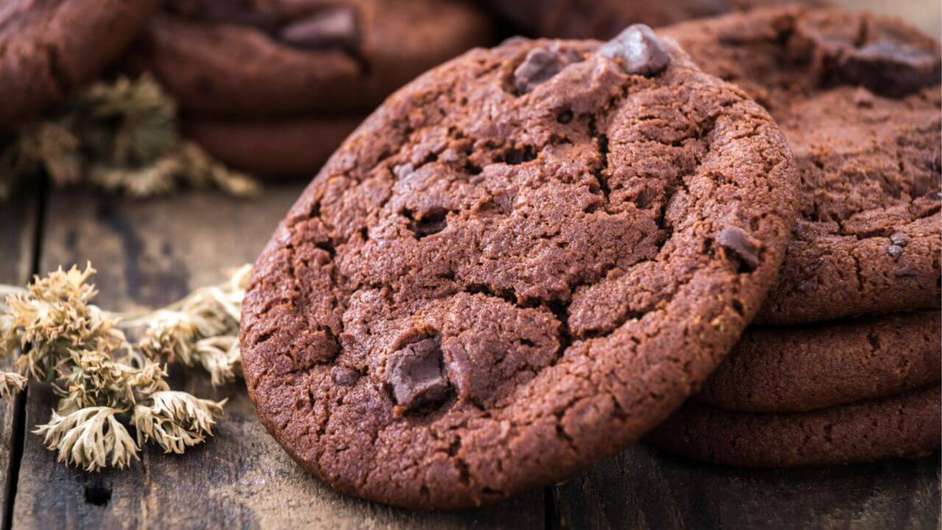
901, 426
858, 97
50, 47
517, 265
251, 58
798, 369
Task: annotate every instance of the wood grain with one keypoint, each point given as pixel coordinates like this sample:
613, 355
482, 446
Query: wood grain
151, 253
641, 488
18, 226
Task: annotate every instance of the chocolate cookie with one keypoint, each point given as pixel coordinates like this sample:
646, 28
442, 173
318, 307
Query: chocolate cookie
801, 369
517, 265
601, 19
906, 425
280, 57
858, 97
49, 47
273, 147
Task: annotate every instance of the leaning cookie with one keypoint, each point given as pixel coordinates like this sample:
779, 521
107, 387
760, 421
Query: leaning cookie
266, 58
907, 426
517, 265
49, 48
273, 147
798, 369
858, 97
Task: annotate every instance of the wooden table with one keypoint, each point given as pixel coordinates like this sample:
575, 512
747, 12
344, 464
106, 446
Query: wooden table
153, 252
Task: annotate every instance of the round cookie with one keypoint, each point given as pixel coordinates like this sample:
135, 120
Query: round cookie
273, 147
906, 425
280, 57
802, 369
517, 265
573, 19
858, 97
49, 47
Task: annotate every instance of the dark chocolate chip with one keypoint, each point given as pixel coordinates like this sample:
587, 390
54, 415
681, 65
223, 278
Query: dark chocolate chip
876, 55
742, 244
564, 117
638, 50
894, 251
899, 239
332, 27
344, 376
540, 65
891, 68
415, 374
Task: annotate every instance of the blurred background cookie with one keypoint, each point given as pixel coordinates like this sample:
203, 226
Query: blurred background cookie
292, 77
272, 146
858, 97
48, 48
254, 58
601, 19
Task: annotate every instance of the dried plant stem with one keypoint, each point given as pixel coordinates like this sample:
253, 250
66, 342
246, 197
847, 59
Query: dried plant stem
104, 381
122, 136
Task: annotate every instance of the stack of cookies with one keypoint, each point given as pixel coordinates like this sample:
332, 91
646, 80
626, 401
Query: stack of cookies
533, 255
48, 49
273, 86
842, 363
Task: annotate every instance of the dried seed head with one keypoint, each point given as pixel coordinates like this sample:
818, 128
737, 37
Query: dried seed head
176, 420
91, 438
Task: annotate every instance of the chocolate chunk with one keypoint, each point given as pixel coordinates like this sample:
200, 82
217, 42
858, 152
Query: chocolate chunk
638, 50
540, 65
415, 374
332, 27
894, 251
880, 54
899, 239
742, 244
890, 68
344, 376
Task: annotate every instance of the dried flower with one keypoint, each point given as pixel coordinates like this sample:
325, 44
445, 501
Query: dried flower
11, 383
176, 420
53, 319
87, 437
202, 329
122, 136
58, 335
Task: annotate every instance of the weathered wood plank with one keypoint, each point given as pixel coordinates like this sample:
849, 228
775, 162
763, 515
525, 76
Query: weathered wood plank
18, 224
151, 253
641, 488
